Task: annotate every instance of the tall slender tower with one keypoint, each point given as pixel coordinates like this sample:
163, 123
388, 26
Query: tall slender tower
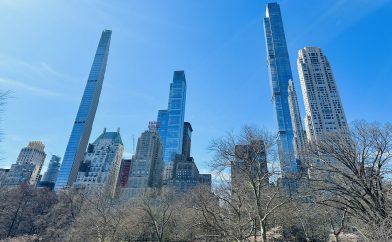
279, 75
81, 130
299, 139
323, 106
171, 121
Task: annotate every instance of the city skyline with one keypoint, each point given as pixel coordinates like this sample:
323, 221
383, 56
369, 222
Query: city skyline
256, 90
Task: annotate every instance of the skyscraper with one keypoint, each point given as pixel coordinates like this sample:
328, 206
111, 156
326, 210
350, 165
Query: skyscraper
171, 121
147, 165
250, 160
182, 173
299, 139
81, 130
323, 106
50, 176
279, 75
28, 165
101, 165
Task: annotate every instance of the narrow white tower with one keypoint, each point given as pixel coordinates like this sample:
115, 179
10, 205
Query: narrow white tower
323, 106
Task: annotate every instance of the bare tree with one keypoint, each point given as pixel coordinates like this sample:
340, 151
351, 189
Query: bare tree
100, 218
160, 211
23, 210
349, 171
219, 218
246, 156
62, 216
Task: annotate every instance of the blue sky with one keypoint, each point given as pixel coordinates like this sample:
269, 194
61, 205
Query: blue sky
47, 48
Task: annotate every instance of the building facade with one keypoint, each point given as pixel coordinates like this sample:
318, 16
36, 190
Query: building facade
28, 165
323, 106
171, 121
101, 164
82, 126
125, 169
50, 176
279, 74
34, 153
250, 161
299, 139
18, 174
53, 169
186, 140
146, 170
3, 175
182, 175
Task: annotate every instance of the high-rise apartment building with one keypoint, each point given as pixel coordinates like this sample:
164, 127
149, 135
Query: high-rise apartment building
50, 176
323, 106
279, 75
146, 170
101, 164
34, 153
171, 121
28, 165
82, 126
299, 139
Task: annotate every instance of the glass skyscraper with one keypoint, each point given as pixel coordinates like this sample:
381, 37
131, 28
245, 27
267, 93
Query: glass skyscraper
81, 130
171, 121
279, 75
53, 170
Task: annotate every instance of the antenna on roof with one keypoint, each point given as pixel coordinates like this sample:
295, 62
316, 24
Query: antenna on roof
133, 143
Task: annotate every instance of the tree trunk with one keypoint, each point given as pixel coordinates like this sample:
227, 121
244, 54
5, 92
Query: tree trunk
14, 218
337, 237
263, 231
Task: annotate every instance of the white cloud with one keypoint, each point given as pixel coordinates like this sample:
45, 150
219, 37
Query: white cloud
23, 86
18, 65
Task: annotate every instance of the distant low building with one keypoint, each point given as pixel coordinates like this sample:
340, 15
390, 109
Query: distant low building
182, 175
3, 174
